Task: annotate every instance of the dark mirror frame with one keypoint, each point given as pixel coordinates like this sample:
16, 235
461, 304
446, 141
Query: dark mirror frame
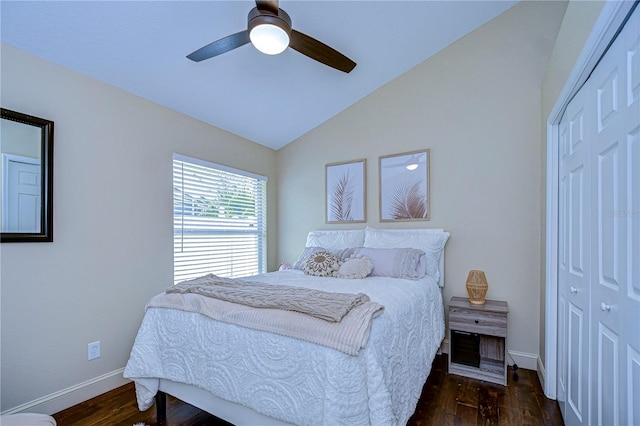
46, 146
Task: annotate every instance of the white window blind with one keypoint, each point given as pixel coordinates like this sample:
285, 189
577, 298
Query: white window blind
219, 220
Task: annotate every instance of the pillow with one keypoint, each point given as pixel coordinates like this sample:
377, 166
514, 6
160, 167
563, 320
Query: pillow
304, 255
335, 240
430, 241
321, 264
343, 254
355, 267
404, 263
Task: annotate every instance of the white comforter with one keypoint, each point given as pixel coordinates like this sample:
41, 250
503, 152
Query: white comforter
293, 380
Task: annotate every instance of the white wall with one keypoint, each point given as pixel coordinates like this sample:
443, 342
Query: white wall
476, 105
113, 230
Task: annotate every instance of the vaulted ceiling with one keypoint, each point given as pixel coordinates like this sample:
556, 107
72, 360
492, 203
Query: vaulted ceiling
140, 47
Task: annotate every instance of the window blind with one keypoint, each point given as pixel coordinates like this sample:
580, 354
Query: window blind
219, 220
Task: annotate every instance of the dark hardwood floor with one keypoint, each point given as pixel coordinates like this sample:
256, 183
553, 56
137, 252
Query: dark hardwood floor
446, 400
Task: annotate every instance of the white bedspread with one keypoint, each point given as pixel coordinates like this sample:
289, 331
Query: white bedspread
296, 381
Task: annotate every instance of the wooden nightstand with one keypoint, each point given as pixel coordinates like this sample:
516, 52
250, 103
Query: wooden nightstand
477, 339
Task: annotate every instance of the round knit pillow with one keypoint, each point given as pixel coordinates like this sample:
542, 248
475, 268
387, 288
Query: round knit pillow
355, 267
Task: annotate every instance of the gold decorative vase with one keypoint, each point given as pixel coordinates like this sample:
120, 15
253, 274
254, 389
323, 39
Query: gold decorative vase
477, 287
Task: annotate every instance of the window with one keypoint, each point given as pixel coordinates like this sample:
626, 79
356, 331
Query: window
219, 220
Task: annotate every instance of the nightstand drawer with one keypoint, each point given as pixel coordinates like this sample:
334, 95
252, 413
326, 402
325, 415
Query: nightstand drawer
476, 321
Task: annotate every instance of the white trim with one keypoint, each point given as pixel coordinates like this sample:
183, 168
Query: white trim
65, 398
551, 274
444, 347
524, 360
209, 164
604, 30
541, 371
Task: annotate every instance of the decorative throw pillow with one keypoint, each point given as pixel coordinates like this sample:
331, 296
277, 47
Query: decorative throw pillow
430, 241
321, 264
404, 263
343, 254
304, 255
355, 267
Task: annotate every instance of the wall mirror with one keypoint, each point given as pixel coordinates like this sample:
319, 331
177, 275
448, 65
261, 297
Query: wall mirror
26, 187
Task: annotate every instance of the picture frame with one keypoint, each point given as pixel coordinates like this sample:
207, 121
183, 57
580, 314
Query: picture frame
345, 192
404, 186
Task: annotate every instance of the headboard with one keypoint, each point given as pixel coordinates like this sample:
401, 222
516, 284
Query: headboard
431, 241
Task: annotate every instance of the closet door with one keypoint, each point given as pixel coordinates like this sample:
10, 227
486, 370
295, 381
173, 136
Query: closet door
574, 272
615, 212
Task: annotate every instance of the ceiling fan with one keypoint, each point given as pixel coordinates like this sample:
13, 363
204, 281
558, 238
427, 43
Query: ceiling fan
269, 30
413, 162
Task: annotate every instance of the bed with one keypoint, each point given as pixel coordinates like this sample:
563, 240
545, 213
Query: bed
248, 376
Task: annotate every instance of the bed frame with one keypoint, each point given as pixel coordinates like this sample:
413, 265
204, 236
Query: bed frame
229, 411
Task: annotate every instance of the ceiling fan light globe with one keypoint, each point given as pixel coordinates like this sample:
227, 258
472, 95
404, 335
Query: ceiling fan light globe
269, 39
412, 166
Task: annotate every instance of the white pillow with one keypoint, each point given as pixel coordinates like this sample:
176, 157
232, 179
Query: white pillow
355, 267
406, 263
335, 240
430, 241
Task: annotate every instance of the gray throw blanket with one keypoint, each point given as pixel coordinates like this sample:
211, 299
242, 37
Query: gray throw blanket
320, 304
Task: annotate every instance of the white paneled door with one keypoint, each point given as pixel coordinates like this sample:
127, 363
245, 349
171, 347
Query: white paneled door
599, 242
21, 189
576, 133
615, 301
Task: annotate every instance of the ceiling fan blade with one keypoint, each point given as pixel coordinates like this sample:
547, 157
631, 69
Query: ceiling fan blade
320, 52
221, 46
268, 5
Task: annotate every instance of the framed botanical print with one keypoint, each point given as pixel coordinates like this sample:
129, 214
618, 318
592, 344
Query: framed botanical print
345, 189
404, 186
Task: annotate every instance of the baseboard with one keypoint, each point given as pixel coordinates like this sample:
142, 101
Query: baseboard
65, 398
542, 375
444, 347
523, 359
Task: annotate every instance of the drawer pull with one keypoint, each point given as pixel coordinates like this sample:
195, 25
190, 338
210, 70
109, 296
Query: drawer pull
476, 321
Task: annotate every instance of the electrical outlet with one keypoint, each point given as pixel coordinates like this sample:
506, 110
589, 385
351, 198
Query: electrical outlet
93, 350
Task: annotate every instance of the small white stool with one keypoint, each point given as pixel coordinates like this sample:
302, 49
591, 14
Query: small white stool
27, 419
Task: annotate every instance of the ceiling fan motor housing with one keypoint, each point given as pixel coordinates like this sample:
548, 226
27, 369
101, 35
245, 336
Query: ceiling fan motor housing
260, 17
